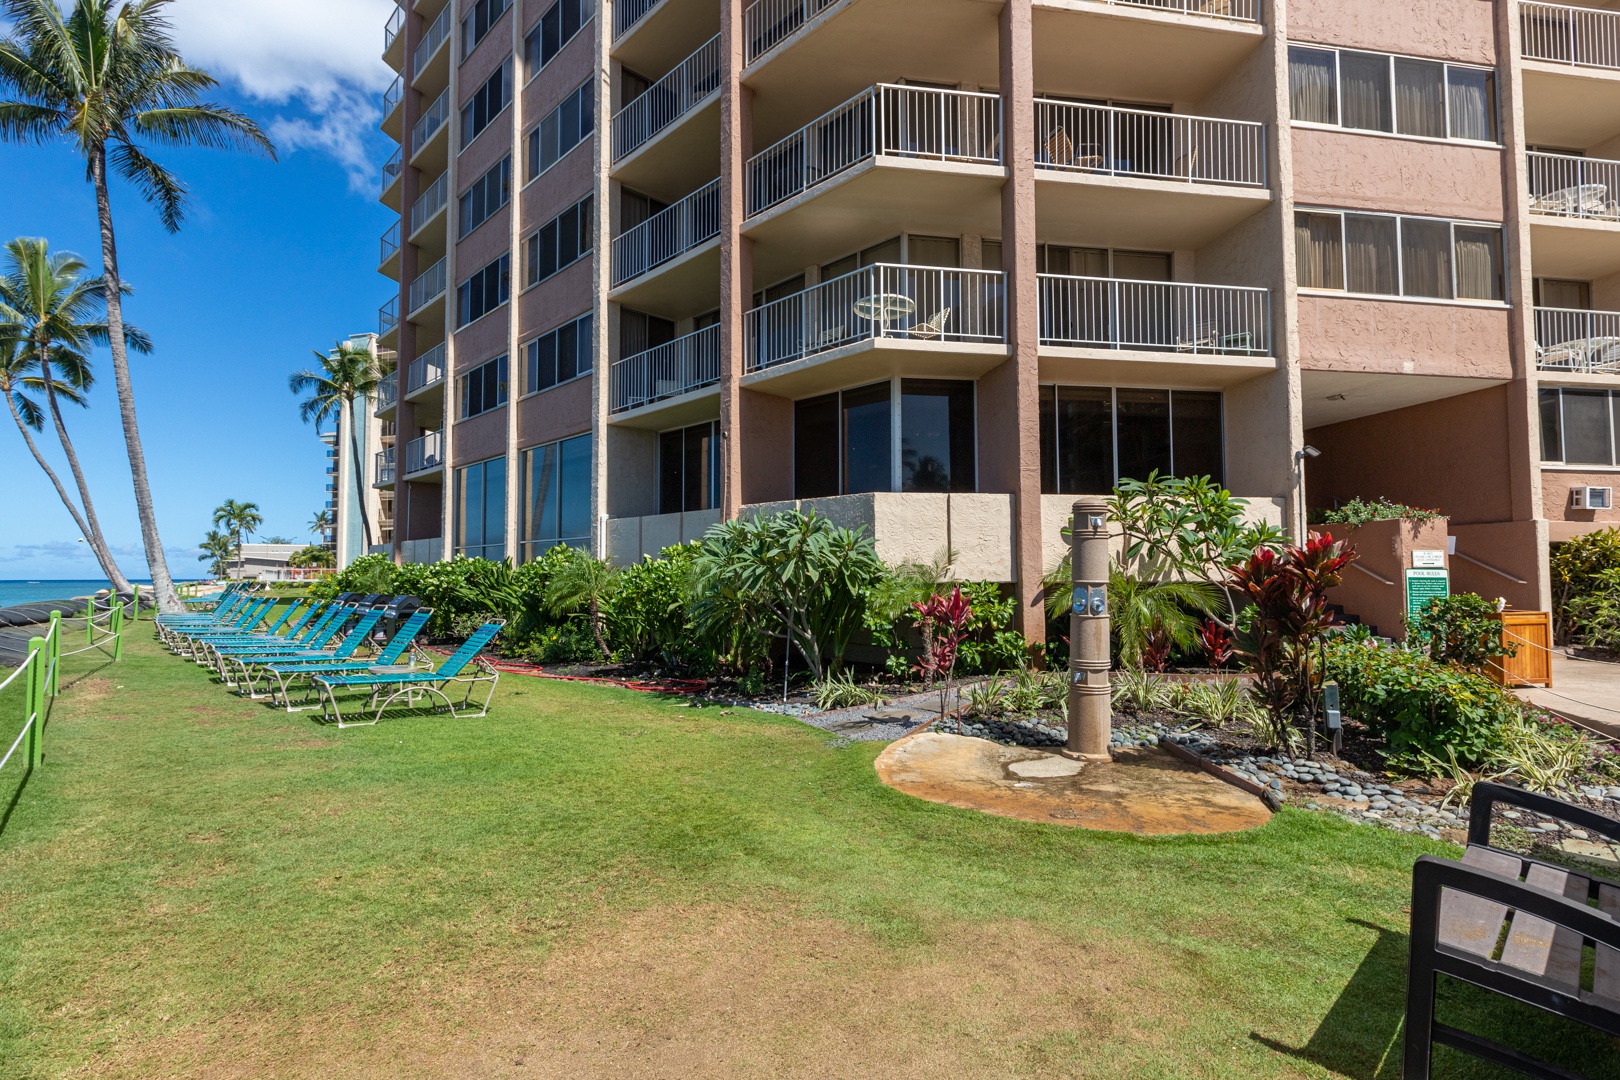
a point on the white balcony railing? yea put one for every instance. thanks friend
(391, 170)
(430, 203)
(1567, 186)
(388, 315)
(428, 286)
(1156, 316)
(626, 13)
(667, 234)
(396, 23)
(683, 365)
(424, 453)
(425, 370)
(1559, 34)
(387, 392)
(667, 100)
(768, 23)
(1236, 10)
(429, 123)
(390, 242)
(1581, 341)
(902, 121)
(436, 36)
(394, 95)
(385, 466)
(881, 302)
(1160, 146)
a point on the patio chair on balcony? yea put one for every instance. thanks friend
(1579, 199)
(1187, 164)
(1600, 354)
(932, 329)
(1058, 149)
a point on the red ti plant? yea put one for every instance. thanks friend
(1288, 589)
(1156, 650)
(1217, 643)
(943, 621)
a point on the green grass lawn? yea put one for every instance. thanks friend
(594, 882)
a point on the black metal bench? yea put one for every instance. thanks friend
(1516, 926)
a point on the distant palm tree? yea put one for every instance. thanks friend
(320, 522)
(348, 372)
(107, 79)
(239, 519)
(216, 547)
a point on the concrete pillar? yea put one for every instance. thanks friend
(736, 269)
(1090, 696)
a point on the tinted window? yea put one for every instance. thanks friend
(556, 28)
(936, 436)
(486, 104)
(815, 447)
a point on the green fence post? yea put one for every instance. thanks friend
(53, 655)
(118, 630)
(89, 626)
(135, 608)
(36, 697)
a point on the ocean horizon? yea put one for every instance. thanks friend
(34, 590)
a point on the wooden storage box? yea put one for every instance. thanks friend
(1531, 631)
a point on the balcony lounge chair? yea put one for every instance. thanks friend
(1599, 354)
(287, 672)
(245, 661)
(388, 686)
(932, 329)
(1575, 201)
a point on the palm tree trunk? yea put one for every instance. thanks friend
(358, 470)
(67, 500)
(92, 528)
(596, 628)
(162, 584)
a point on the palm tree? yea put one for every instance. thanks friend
(584, 581)
(320, 522)
(107, 80)
(349, 371)
(216, 547)
(54, 309)
(239, 519)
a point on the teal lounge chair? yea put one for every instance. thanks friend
(250, 635)
(240, 619)
(315, 637)
(388, 686)
(287, 672)
(246, 659)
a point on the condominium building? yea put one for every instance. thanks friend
(935, 267)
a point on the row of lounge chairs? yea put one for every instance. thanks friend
(334, 654)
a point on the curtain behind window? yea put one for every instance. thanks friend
(1426, 258)
(1312, 89)
(1370, 255)
(1364, 90)
(1420, 98)
(1479, 263)
(1473, 104)
(1319, 251)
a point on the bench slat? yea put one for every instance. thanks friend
(1544, 948)
(1472, 924)
(1606, 974)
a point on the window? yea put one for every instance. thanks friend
(556, 493)
(561, 242)
(483, 388)
(1387, 255)
(488, 194)
(1578, 426)
(555, 29)
(485, 291)
(486, 104)
(1397, 94)
(479, 21)
(844, 443)
(565, 128)
(481, 510)
(1094, 436)
(557, 356)
(689, 468)
(1559, 293)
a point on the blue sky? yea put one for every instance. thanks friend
(276, 258)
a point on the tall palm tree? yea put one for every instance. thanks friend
(216, 550)
(320, 523)
(108, 80)
(349, 371)
(239, 519)
(55, 309)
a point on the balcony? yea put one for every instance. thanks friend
(389, 248)
(1578, 342)
(428, 286)
(384, 468)
(654, 35)
(387, 393)
(432, 44)
(1575, 218)
(391, 32)
(390, 177)
(688, 148)
(628, 13)
(664, 238)
(425, 371)
(1571, 73)
(431, 202)
(428, 153)
(922, 320)
(388, 317)
(424, 455)
(669, 371)
(392, 98)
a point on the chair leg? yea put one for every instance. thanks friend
(1419, 1054)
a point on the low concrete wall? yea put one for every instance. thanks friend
(631, 539)
(1055, 511)
(1384, 548)
(429, 550)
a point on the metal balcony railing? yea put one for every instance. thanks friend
(388, 315)
(391, 170)
(430, 203)
(425, 370)
(1567, 186)
(882, 302)
(429, 123)
(1236, 10)
(683, 365)
(667, 234)
(428, 286)
(1156, 316)
(424, 453)
(394, 95)
(1559, 34)
(899, 121)
(390, 242)
(385, 466)
(626, 13)
(768, 23)
(667, 100)
(436, 36)
(1161, 146)
(1583, 341)
(387, 392)
(396, 23)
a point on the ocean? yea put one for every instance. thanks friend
(27, 592)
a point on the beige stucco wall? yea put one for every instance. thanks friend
(1460, 30)
(1348, 334)
(1355, 170)
(1555, 488)
(1057, 509)
(1384, 548)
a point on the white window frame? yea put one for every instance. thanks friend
(1400, 259)
(1113, 410)
(1338, 95)
(1562, 461)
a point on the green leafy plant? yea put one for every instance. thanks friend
(1460, 629)
(1140, 692)
(584, 581)
(1358, 512)
(1595, 614)
(648, 616)
(986, 698)
(312, 556)
(840, 691)
(1218, 703)
(1577, 567)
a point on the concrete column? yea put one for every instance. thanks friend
(736, 270)
(409, 266)
(607, 315)
(514, 328)
(447, 519)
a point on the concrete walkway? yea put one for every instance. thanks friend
(1584, 691)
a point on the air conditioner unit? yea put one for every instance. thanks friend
(1592, 498)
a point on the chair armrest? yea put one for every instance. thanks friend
(1430, 874)
(1486, 795)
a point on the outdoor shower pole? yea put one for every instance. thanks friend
(1090, 697)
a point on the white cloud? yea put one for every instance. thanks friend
(320, 58)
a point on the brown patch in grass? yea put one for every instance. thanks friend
(721, 992)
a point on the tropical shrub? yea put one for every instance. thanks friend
(1578, 567)
(648, 617)
(943, 621)
(312, 556)
(1460, 630)
(1358, 512)
(1596, 614)
(840, 691)
(584, 581)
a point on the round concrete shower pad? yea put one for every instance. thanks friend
(1144, 791)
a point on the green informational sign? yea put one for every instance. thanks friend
(1423, 586)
